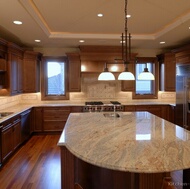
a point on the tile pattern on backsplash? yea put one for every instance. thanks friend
(91, 90)
(101, 91)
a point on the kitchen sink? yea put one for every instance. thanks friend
(112, 114)
(4, 114)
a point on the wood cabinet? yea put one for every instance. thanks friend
(15, 72)
(74, 72)
(10, 136)
(167, 65)
(93, 58)
(130, 84)
(182, 55)
(37, 117)
(54, 118)
(31, 71)
(161, 111)
(3, 63)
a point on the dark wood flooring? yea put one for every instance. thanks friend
(35, 166)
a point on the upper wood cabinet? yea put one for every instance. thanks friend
(31, 71)
(14, 68)
(182, 55)
(74, 72)
(167, 64)
(3, 63)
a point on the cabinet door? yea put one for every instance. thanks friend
(14, 75)
(16, 79)
(16, 128)
(38, 117)
(7, 141)
(129, 85)
(156, 110)
(31, 72)
(19, 75)
(130, 108)
(74, 72)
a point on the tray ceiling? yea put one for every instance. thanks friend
(62, 23)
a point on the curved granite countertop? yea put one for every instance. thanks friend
(136, 141)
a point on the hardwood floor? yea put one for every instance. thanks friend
(35, 166)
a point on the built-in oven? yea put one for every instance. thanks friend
(98, 106)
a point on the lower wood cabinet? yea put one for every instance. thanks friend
(10, 136)
(54, 118)
(162, 111)
(37, 119)
(51, 118)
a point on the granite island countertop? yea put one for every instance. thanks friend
(136, 141)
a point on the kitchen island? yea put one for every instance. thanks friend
(130, 150)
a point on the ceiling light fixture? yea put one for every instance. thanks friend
(146, 75)
(126, 54)
(37, 40)
(17, 22)
(81, 41)
(162, 42)
(106, 75)
(100, 15)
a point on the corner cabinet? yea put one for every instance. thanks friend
(31, 72)
(74, 72)
(15, 72)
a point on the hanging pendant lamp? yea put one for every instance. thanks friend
(126, 56)
(146, 75)
(126, 75)
(106, 75)
(126, 51)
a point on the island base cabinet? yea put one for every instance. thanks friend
(75, 171)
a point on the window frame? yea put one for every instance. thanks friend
(144, 60)
(44, 95)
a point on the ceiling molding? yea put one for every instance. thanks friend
(31, 8)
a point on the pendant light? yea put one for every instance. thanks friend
(106, 75)
(126, 53)
(146, 75)
(126, 56)
(126, 75)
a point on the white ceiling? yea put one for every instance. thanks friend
(62, 23)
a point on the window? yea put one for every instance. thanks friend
(54, 77)
(145, 88)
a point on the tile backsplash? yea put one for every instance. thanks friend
(91, 90)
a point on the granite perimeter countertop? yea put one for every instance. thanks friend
(136, 141)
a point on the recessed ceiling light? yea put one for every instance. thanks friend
(17, 22)
(128, 16)
(162, 42)
(37, 40)
(100, 15)
(81, 41)
(121, 41)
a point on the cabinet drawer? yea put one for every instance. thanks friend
(130, 108)
(54, 125)
(56, 116)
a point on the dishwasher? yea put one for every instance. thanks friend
(25, 125)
